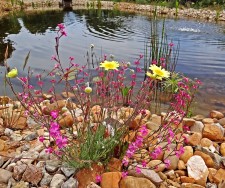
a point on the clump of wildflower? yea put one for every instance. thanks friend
(109, 65)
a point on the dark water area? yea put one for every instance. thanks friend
(201, 54)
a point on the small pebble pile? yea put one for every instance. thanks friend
(24, 162)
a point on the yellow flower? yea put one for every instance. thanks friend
(88, 90)
(152, 76)
(12, 74)
(110, 65)
(159, 72)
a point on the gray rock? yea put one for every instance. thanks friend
(41, 165)
(2, 160)
(197, 127)
(5, 175)
(21, 184)
(52, 165)
(18, 171)
(152, 176)
(16, 137)
(211, 185)
(8, 132)
(39, 148)
(29, 157)
(93, 185)
(46, 179)
(10, 167)
(57, 181)
(44, 155)
(216, 158)
(146, 173)
(31, 136)
(68, 171)
(25, 147)
(70, 183)
(11, 182)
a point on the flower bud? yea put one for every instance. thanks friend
(12, 74)
(88, 90)
(64, 109)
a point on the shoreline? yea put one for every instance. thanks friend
(200, 14)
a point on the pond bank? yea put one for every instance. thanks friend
(202, 14)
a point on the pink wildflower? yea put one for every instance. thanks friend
(167, 163)
(125, 161)
(154, 62)
(54, 114)
(54, 129)
(61, 26)
(54, 58)
(40, 83)
(171, 44)
(71, 58)
(49, 150)
(61, 141)
(41, 138)
(144, 130)
(162, 59)
(98, 179)
(144, 164)
(138, 170)
(124, 174)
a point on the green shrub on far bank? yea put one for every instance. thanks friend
(185, 3)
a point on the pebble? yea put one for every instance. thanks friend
(68, 171)
(5, 175)
(47, 178)
(57, 181)
(70, 183)
(31, 136)
(52, 165)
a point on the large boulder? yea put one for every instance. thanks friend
(213, 132)
(198, 170)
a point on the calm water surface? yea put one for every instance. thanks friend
(202, 44)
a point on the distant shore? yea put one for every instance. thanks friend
(201, 14)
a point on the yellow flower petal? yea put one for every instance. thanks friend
(12, 74)
(159, 72)
(110, 65)
(152, 76)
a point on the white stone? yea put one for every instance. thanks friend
(57, 181)
(197, 169)
(46, 179)
(5, 175)
(70, 183)
(197, 127)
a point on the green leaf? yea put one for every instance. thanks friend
(125, 91)
(26, 60)
(96, 79)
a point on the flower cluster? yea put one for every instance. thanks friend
(100, 107)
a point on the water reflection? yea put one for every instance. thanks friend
(202, 45)
(8, 25)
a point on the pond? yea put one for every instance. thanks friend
(201, 54)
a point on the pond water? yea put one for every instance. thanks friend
(201, 54)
